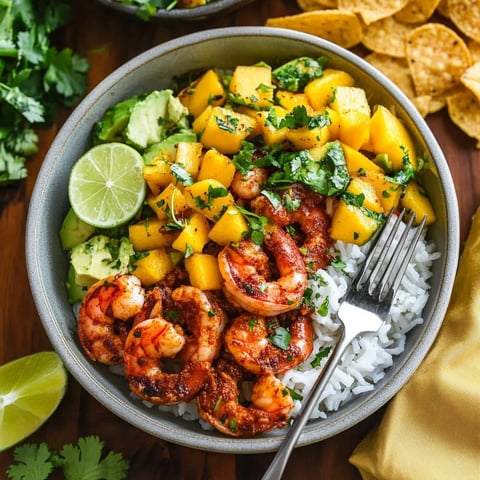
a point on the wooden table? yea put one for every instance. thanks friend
(108, 39)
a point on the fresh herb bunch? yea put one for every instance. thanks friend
(78, 462)
(35, 78)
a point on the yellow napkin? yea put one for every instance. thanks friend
(431, 429)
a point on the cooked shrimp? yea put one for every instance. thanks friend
(192, 347)
(218, 402)
(147, 346)
(310, 214)
(103, 319)
(263, 346)
(204, 318)
(249, 185)
(243, 269)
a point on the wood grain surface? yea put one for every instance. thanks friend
(108, 38)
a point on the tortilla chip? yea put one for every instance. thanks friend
(309, 5)
(417, 11)
(442, 8)
(340, 27)
(372, 10)
(464, 111)
(474, 48)
(386, 36)
(396, 69)
(465, 14)
(423, 104)
(471, 79)
(437, 58)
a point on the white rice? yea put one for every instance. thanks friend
(366, 359)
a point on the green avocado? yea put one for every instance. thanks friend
(74, 231)
(99, 257)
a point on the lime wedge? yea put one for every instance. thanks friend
(31, 388)
(106, 187)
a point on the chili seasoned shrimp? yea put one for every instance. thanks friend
(104, 316)
(248, 186)
(263, 346)
(244, 270)
(308, 211)
(204, 318)
(192, 348)
(147, 346)
(218, 402)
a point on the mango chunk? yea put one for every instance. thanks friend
(223, 129)
(352, 225)
(171, 199)
(203, 271)
(194, 235)
(188, 157)
(353, 110)
(153, 267)
(208, 197)
(252, 85)
(388, 135)
(416, 201)
(231, 227)
(158, 175)
(150, 234)
(268, 125)
(388, 192)
(306, 138)
(358, 163)
(217, 166)
(290, 100)
(207, 90)
(321, 90)
(371, 201)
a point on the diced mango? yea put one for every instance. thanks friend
(415, 200)
(203, 271)
(388, 192)
(389, 135)
(223, 129)
(188, 156)
(158, 175)
(350, 224)
(217, 166)
(353, 110)
(153, 267)
(208, 197)
(252, 85)
(334, 127)
(321, 90)
(150, 234)
(194, 235)
(231, 227)
(207, 90)
(358, 163)
(357, 186)
(306, 138)
(290, 100)
(170, 199)
(268, 125)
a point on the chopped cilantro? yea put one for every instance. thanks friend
(319, 356)
(281, 338)
(295, 74)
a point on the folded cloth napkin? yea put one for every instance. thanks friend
(431, 428)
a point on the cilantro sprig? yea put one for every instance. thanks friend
(35, 78)
(84, 461)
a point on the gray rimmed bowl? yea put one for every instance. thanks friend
(215, 7)
(47, 262)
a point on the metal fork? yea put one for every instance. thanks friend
(364, 308)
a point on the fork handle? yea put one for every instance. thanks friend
(279, 462)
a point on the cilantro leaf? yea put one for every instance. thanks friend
(33, 462)
(84, 462)
(295, 74)
(281, 338)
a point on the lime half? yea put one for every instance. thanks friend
(31, 388)
(106, 187)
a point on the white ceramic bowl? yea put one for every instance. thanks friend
(154, 69)
(216, 7)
